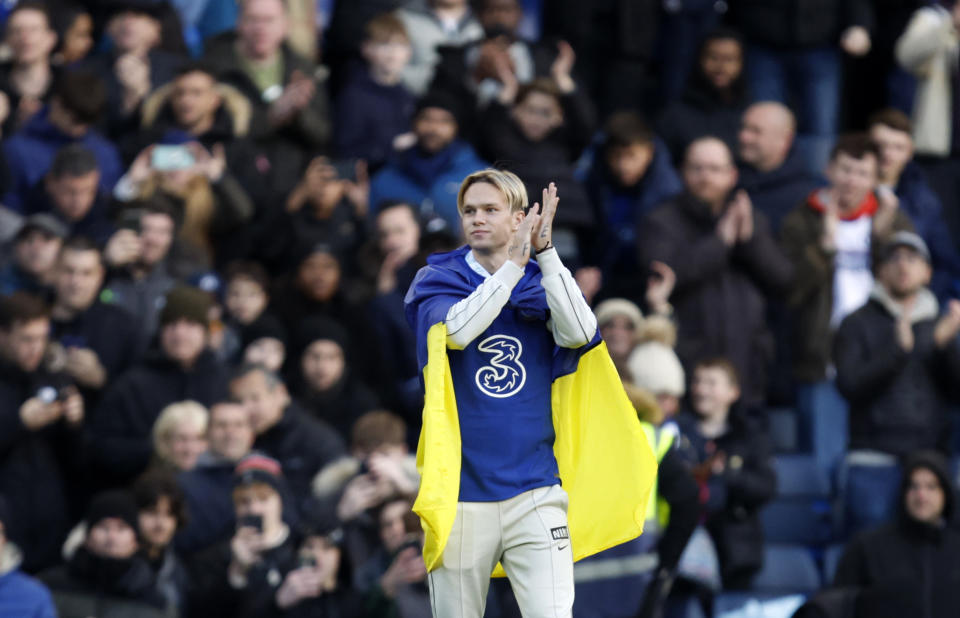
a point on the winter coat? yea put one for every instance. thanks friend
(906, 568)
(142, 298)
(369, 116)
(429, 182)
(923, 207)
(30, 151)
(788, 24)
(341, 405)
(897, 399)
(21, 595)
(96, 224)
(107, 330)
(303, 445)
(775, 193)
(32, 466)
(701, 111)
(810, 296)
(618, 210)
(426, 34)
(720, 296)
(13, 95)
(549, 160)
(207, 492)
(90, 585)
(120, 429)
(928, 49)
(734, 497)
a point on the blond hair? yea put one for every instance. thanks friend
(508, 183)
(173, 416)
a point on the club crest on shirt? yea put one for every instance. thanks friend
(505, 374)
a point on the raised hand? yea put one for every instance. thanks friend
(543, 232)
(518, 251)
(563, 66)
(660, 286)
(948, 325)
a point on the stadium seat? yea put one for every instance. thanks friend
(799, 475)
(831, 558)
(787, 569)
(756, 605)
(801, 520)
(784, 430)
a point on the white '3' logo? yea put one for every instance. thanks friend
(505, 374)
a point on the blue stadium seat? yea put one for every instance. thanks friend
(831, 558)
(787, 569)
(799, 475)
(784, 429)
(756, 605)
(801, 520)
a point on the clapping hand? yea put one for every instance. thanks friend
(543, 231)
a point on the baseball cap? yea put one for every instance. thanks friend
(43, 222)
(259, 469)
(904, 239)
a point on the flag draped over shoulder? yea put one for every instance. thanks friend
(605, 463)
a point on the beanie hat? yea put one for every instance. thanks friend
(440, 100)
(116, 503)
(185, 303)
(256, 468)
(265, 326)
(612, 307)
(319, 327)
(656, 368)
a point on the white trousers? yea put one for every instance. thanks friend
(528, 535)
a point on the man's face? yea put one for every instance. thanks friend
(194, 99)
(134, 31)
(183, 341)
(322, 364)
(502, 15)
(245, 299)
(230, 433)
(398, 232)
(852, 179)
(319, 276)
(722, 62)
(259, 499)
(712, 393)
(629, 164)
(896, 150)
(156, 236)
(157, 523)
(925, 499)
(486, 220)
(264, 403)
(435, 128)
(537, 115)
(73, 196)
(904, 273)
(25, 343)
(36, 252)
(764, 137)
(708, 172)
(620, 335)
(79, 276)
(111, 537)
(30, 37)
(262, 27)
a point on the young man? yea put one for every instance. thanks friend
(494, 332)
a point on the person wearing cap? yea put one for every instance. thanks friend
(910, 565)
(41, 419)
(208, 485)
(898, 362)
(241, 576)
(104, 576)
(182, 368)
(326, 381)
(428, 173)
(35, 249)
(95, 341)
(20, 594)
(301, 443)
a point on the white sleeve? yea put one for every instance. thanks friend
(475, 313)
(571, 320)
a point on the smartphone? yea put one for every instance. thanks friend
(130, 220)
(251, 521)
(308, 560)
(166, 158)
(414, 543)
(73, 341)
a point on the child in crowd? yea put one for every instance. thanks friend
(734, 471)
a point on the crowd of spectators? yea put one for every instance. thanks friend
(211, 211)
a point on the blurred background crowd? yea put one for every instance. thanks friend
(211, 210)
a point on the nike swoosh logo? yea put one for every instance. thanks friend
(561, 547)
